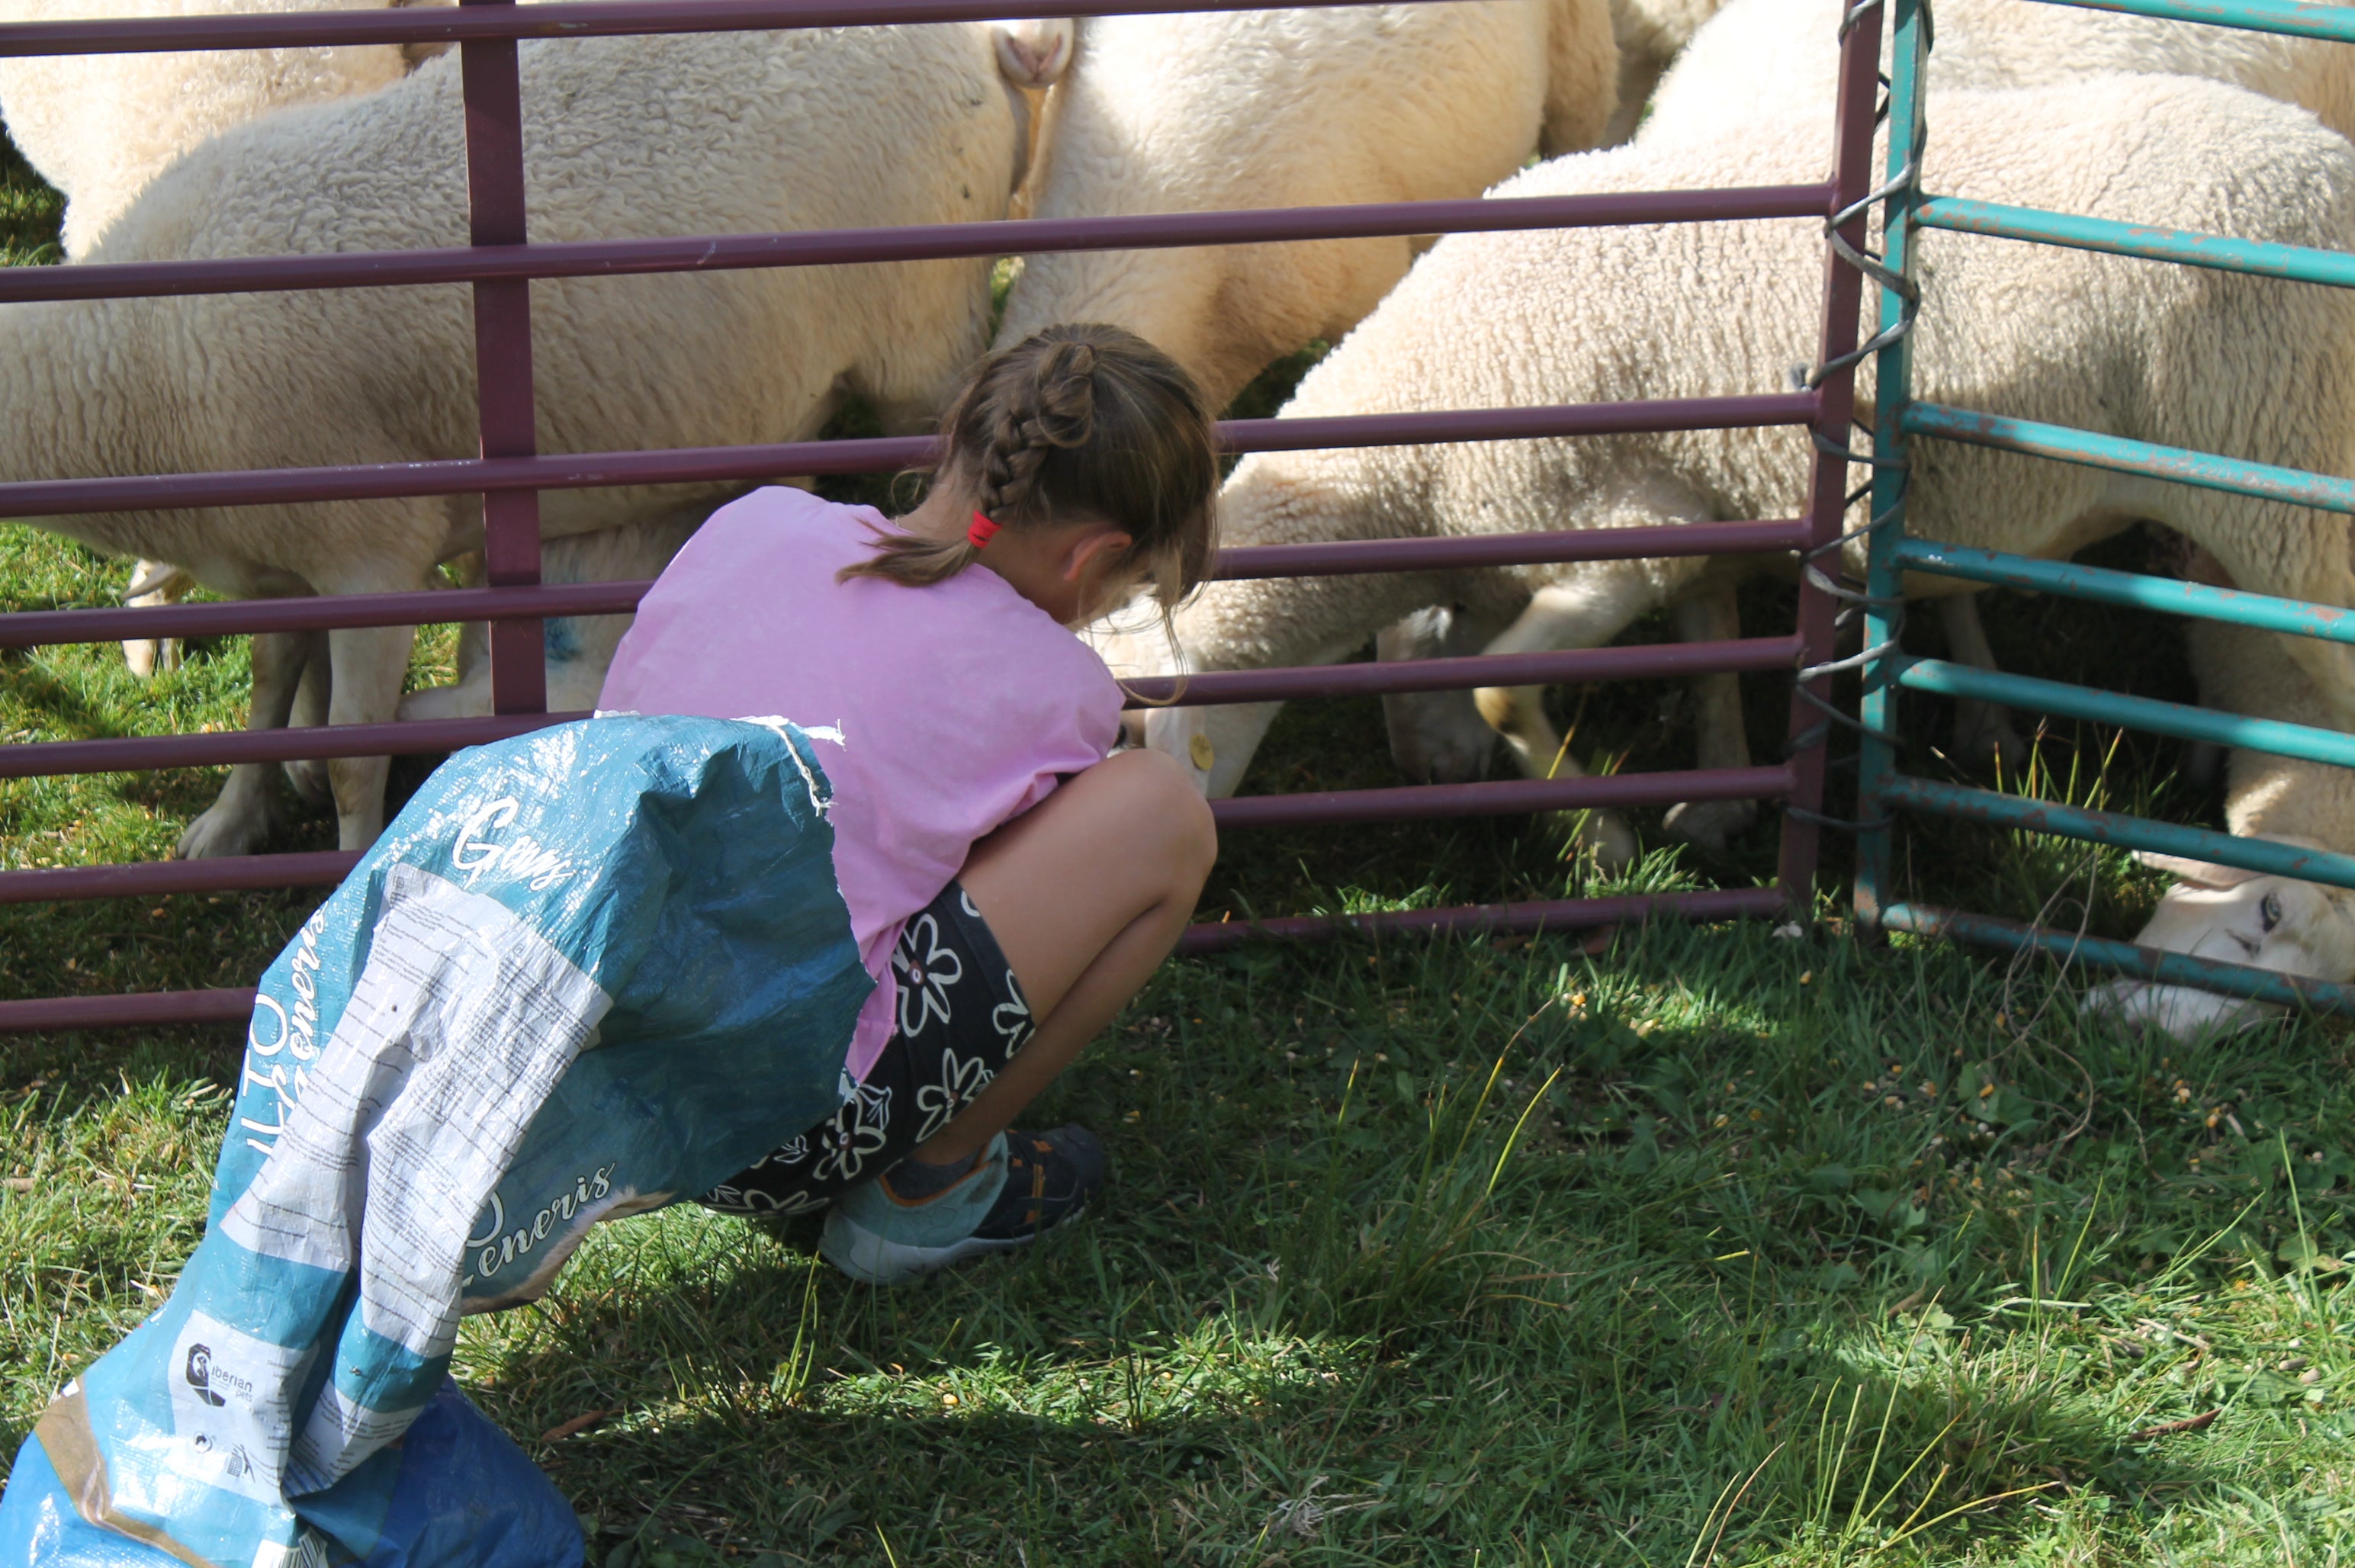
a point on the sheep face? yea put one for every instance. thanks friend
(1214, 745)
(1436, 737)
(2271, 923)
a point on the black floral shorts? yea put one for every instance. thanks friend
(961, 1017)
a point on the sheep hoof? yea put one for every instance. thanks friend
(1710, 824)
(226, 828)
(150, 657)
(309, 777)
(1990, 743)
(1603, 836)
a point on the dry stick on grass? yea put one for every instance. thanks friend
(580, 1422)
(2199, 1422)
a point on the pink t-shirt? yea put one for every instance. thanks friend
(959, 706)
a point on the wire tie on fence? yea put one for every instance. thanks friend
(1839, 824)
(1831, 448)
(1840, 716)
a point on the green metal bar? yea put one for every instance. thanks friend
(2262, 480)
(1892, 392)
(2123, 957)
(2295, 17)
(1949, 679)
(2298, 264)
(2132, 588)
(2261, 855)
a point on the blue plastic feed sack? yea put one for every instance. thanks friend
(584, 972)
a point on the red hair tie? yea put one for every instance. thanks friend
(980, 533)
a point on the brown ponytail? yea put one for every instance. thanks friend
(1081, 420)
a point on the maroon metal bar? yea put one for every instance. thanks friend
(137, 1009)
(1489, 551)
(1506, 797)
(503, 373)
(1503, 797)
(1860, 82)
(33, 759)
(911, 242)
(36, 628)
(160, 879)
(1571, 667)
(601, 19)
(450, 476)
(1550, 914)
(149, 1008)
(414, 737)
(156, 878)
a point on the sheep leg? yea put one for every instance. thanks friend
(1984, 733)
(239, 818)
(153, 582)
(1591, 609)
(1720, 741)
(367, 663)
(1437, 737)
(309, 775)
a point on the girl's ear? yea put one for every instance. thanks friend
(1099, 549)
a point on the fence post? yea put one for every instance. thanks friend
(1892, 389)
(503, 378)
(1811, 722)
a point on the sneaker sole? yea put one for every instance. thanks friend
(871, 1259)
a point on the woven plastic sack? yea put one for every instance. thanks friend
(584, 972)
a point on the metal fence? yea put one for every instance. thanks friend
(1898, 419)
(500, 263)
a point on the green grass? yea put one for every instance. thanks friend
(1704, 1246)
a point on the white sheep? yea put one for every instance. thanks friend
(99, 127)
(624, 137)
(2159, 353)
(1252, 108)
(2282, 924)
(1758, 57)
(1651, 34)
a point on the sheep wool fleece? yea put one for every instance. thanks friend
(948, 710)
(584, 972)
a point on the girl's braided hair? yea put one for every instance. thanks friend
(1074, 422)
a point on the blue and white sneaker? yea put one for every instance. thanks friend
(1024, 1183)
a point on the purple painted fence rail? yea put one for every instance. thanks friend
(509, 474)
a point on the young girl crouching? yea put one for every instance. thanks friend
(1010, 884)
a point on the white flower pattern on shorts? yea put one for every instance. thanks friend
(927, 968)
(859, 1129)
(1011, 1017)
(960, 1018)
(961, 1078)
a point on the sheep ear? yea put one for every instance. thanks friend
(2198, 873)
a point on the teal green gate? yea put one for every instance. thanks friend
(1888, 669)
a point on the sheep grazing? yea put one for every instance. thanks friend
(1701, 310)
(700, 134)
(1753, 60)
(1240, 109)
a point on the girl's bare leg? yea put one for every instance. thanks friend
(1086, 894)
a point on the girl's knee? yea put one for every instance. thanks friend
(1170, 815)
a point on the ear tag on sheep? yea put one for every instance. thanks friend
(1202, 751)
